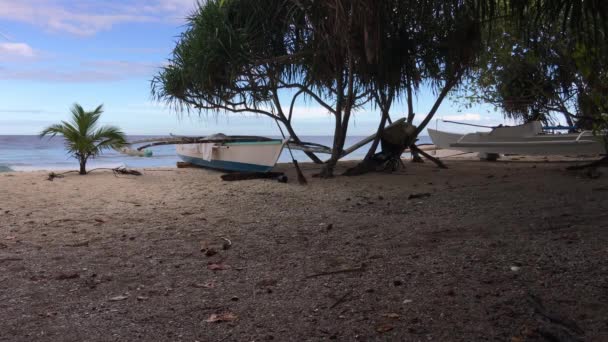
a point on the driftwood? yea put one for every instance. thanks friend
(439, 163)
(117, 171)
(124, 171)
(237, 176)
(559, 328)
(347, 270)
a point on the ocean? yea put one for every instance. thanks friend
(31, 153)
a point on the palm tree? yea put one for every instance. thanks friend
(83, 138)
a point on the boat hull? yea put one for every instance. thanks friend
(258, 156)
(540, 144)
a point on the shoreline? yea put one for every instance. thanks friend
(444, 155)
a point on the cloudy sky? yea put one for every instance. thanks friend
(57, 52)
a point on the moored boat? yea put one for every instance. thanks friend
(526, 139)
(241, 155)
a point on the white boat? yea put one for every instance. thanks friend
(224, 153)
(526, 139)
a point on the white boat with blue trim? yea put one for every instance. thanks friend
(240, 154)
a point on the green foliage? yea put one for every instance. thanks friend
(84, 138)
(544, 67)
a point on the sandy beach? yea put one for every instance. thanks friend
(513, 251)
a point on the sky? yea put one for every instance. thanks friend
(54, 53)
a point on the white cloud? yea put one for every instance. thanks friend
(87, 17)
(10, 51)
(91, 71)
(463, 117)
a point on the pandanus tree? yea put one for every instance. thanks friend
(234, 57)
(84, 138)
(240, 56)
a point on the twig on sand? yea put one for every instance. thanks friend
(10, 259)
(68, 220)
(563, 322)
(347, 270)
(341, 299)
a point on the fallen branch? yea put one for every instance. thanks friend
(10, 259)
(124, 171)
(348, 270)
(438, 162)
(341, 299)
(555, 319)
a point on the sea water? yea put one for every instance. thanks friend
(31, 153)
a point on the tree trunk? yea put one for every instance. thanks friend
(338, 146)
(83, 166)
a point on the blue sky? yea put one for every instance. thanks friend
(57, 52)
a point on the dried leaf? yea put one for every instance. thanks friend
(384, 328)
(218, 267)
(221, 317)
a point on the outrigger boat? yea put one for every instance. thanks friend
(526, 139)
(242, 154)
(229, 153)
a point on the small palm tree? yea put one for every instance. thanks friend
(83, 138)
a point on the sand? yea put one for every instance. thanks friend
(514, 250)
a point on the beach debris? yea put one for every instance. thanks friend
(267, 282)
(346, 270)
(98, 220)
(124, 171)
(383, 328)
(217, 267)
(118, 298)
(184, 165)
(66, 276)
(54, 175)
(221, 317)
(419, 195)
(515, 268)
(407, 301)
(10, 259)
(208, 285)
(342, 299)
(392, 315)
(208, 249)
(142, 298)
(227, 243)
